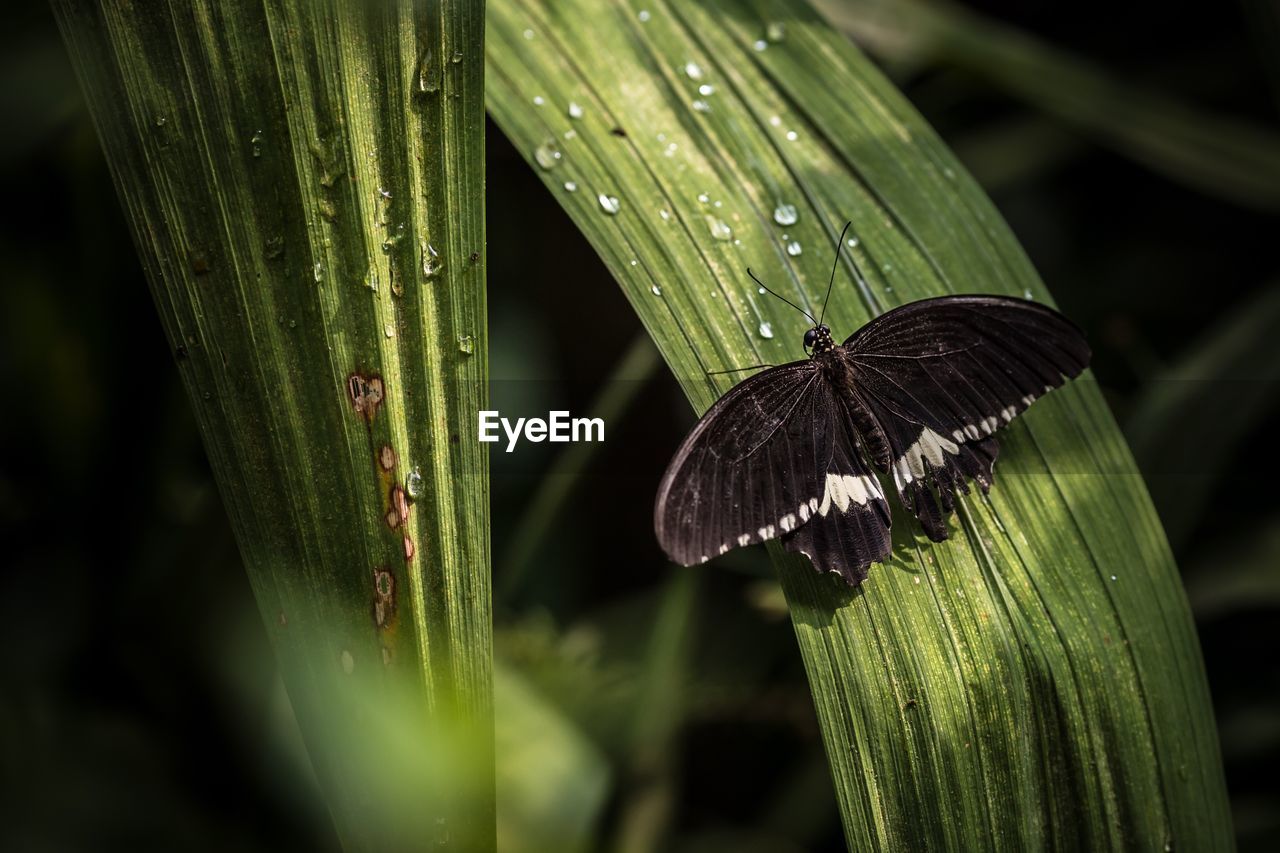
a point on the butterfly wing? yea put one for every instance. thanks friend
(770, 458)
(847, 528)
(932, 381)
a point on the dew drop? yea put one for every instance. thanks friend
(547, 155)
(428, 76)
(371, 278)
(643, 16)
(456, 58)
(655, 290)
(1027, 294)
(793, 248)
(255, 144)
(317, 272)
(766, 330)
(851, 242)
(570, 186)
(665, 214)
(694, 70)
(575, 110)
(413, 484)
(776, 31)
(775, 121)
(706, 89)
(720, 229)
(389, 330)
(760, 45)
(538, 100)
(785, 214)
(609, 204)
(274, 247)
(704, 198)
(791, 136)
(528, 35)
(466, 344)
(701, 106)
(431, 262)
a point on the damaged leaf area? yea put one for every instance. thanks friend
(279, 167)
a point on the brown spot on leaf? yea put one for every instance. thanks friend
(384, 597)
(408, 549)
(400, 504)
(393, 519)
(387, 457)
(365, 393)
(619, 132)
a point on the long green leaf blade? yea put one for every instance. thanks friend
(1036, 680)
(305, 185)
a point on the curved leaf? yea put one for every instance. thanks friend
(1034, 680)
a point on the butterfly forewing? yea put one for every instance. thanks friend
(940, 376)
(755, 456)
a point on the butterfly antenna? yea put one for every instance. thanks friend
(835, 265)
(783, 298)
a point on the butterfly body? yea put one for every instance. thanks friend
(794, 452)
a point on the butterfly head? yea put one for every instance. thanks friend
(819, 340)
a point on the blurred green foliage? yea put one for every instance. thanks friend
(139, 705)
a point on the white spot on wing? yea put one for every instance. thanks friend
(1029, 399)
(744, 539)
(844, 489)
(724, 549)
(931, 446)
(788, 523)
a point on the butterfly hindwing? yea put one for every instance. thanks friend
(848, 525)
(939, 377)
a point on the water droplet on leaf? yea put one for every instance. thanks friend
(785, 214)
(466, 344)
(575, 110)
(609, 204)
(693, 70)
(794, 248)
(720, 229)
(547, 155)
(766, 330)
(413, 484)
(431, 262)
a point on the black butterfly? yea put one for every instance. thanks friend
(918, 392)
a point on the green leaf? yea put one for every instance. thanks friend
(552, 780)
(305, 186)
(1179, 434)
(1035, 677)
(1216, 154)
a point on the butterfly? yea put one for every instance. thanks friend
(916, 395)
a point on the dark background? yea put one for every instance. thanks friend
(138, 701)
